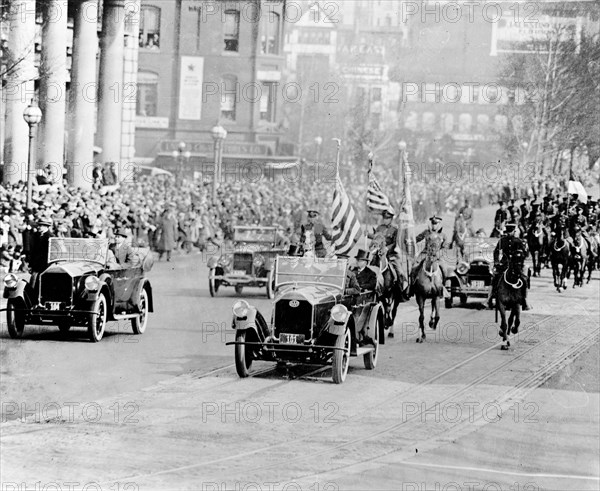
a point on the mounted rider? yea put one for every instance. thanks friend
(312, 234)
(435, 242)
(390, 233)
(509, 245)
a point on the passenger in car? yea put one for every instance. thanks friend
(122, 252)
(367, 278)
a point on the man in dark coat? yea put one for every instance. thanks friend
(122, 251)
(367, 279)
(38, 255)
(390, 232)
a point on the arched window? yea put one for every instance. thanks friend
(229, 88)
(147, 94)
(269, 35)
(231, 30)
(149, 37)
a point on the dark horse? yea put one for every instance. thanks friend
(579, 259)
(559, 258)
(461, 232)
(536, 243)
(428, 284)
(391, 290)
(510, 297)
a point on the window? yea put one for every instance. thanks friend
(465, 122)
(447, 122)
(428, 121)
(228, 97)
(147, 94)
(232, 30)
(483, 123)
(149, 28)
(269, 38)
(267, 102)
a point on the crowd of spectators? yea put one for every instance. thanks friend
(169, 215)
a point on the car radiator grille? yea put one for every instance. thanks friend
(480, 273)
(242, 262)
(56, 287)
(293, 320)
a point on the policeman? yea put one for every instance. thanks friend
(390, 232)
(508, 245)
(366, 277)
(315, 227)
(435, 241)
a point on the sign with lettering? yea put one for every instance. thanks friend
(207, 148)
(190, 87)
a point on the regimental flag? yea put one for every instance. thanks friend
(346, 229)
(406, 235)
(376, 199)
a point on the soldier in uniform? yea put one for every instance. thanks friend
(390, 232)
(508, 245)
(122, 251)
(318, 231)
(435, 241)
(525, 211)
(467, 213)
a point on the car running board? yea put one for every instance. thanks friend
(363, 350)
(119, 317)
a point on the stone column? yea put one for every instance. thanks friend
(53, 86)
(83, 94)
(19, 90)
(110, 84)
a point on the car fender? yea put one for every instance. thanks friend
(143, 283)
(376, 316)
(339, 328)
(253, 321)
(106, 288)
(19, 292)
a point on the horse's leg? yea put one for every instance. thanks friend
(503, 329)
(435, 312)
(555, 276)
(421, 303)
(517, 319)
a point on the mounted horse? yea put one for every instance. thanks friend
(579, 258)
(509, 296)
(537, 247)
(593, 256)
(390, 288)
(560, 255)
(461, 232)
(429, 282)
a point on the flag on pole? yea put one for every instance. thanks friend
(575, 187)
(346, 229)
(376, 199)
(406, 235)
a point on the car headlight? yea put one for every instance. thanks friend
(339, 313)
(462, 268)
(92, 283)
(10, 281)
(258, 261)
(240, 308)
(212, 262)
(224, 260)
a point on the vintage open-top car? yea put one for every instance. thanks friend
(250, 263)
(473, 276)
(83, 285)
(315, 319)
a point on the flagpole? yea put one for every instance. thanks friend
(367, 214)
(337, 157)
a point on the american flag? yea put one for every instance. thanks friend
(376, 198)
(344, 223)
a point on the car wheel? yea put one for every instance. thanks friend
(239, 289)
(271, 285)
(138, 324)
(448, 302)
(213, 284)
(14, 318)
(243, 355)
(341, 357)
(370, 358)
(97, 320)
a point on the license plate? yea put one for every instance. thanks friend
(478, 284)
(54, 305)
(238, 272)
(291, 338)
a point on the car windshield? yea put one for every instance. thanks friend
(70, 249)
(291, 270)
(480, 247)
(255, 234)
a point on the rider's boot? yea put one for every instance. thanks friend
(524, 304)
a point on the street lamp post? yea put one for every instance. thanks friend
(180, 155)
(525, 145)
(402, 149)
(219, 134)
(32, 116)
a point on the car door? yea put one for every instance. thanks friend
(122, 285)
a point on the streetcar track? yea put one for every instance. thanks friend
(412, 388)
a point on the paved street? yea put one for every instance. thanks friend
(166, 410)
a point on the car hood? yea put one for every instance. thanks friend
(74, 269)
(315, 294)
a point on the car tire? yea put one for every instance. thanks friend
(138, 324)
(370, 358)
(243, 356)
(15, 320)
(97, 320)
(341, 357)
(271, 285)
(213, 284)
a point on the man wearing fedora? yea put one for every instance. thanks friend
(435, 240)
(508, 245)
(390, 232)
(315, 227)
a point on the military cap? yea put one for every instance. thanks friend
(435, 219)
(388, 214)
(510, 226)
